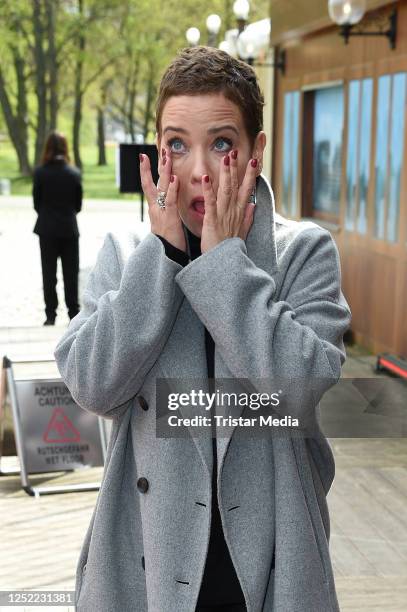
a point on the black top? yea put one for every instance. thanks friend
(57, 194)
(220, 584)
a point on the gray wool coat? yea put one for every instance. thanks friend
(274, 307)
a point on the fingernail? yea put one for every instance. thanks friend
(254, 163)
(206, 178)
(141, 157)
(226, 160)
(164, 161)
(234, 154)
(163, 152)
(172, 179)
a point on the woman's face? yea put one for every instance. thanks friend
(199, 131)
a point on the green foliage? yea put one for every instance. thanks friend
(98, 181)
(128, 45)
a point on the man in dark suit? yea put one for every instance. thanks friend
(57, 194)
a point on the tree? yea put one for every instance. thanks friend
(14, 75)
(70, 57)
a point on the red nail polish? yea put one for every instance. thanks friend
(254, 163)
(234, 154)
(141, 157)
(226, 160)
(172, 179)
(206, 178)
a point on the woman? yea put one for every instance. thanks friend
(222, 288)
(57, 193)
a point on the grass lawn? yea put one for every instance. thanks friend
(99, 182)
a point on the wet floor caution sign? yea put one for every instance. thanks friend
(52, 433)
(61, 429)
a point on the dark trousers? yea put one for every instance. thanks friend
(68, 249)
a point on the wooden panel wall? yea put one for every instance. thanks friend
(374, 273)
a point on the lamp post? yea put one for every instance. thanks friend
(254, 41)
(213, 24)
(193, 35)
(241, 9)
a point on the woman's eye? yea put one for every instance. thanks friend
(176, 145)
(223, 144)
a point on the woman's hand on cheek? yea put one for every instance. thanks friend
(165, 222)
(228, 214)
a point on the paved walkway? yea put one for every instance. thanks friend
(21, 297)
(41, 538)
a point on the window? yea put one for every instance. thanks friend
(290, 153)
(391, 102)
(322, 152)
(358, 154)
(327, 150)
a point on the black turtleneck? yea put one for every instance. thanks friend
(220, 584)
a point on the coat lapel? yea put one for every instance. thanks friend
(262, 250)
(187, 339)
(184, 360)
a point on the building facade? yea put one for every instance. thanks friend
(339, 153)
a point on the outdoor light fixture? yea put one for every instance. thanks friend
(229, 44)
(226, 47)
(193, 35)
(348, 13)
(254, 40)
(213, 24)
(253, 44)
(241, 9)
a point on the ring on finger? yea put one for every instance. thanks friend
(161, 198)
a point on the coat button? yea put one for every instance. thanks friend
(142, 485)
(143, 563)
(143, 402)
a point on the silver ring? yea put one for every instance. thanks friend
(161, 199)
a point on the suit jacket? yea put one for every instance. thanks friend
(274, 307)
(57, 194)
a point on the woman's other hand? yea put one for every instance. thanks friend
(165, 222)
(229, 213)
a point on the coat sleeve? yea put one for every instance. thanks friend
(296, 341)
(36, 190)
(79, 193)
(127, 314)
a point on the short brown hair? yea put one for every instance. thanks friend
(203, 70)
(56, 145)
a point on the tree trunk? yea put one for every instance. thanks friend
(78, 93)
(22, 114)
(149, 100)
(17, 131)
(17, 119)
(40, 79)
(101, 137)
(51, 8)
(227, 16)
(132, 99)
(101, 126)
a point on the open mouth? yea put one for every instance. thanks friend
(198, 205)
